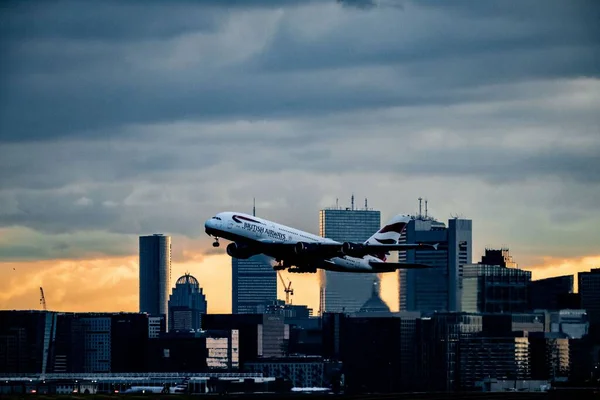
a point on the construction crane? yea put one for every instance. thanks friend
(43, 299)
(287, 289)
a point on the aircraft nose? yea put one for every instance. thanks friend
(209, 224)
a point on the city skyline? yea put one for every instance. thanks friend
(119, 120)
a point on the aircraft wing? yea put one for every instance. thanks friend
(387, 266)
(332, 249)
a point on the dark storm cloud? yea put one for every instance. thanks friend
(497, 166)
(114, 21)
(100, 87)
(126, 118)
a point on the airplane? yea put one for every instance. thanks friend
(302, 252)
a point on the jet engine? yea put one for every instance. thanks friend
(240, 251)
(304, 248)
(351, 249)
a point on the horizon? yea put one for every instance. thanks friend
(120, 118)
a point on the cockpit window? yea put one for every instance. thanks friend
(216, 218)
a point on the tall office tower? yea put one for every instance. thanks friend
(155, 275)
(187, 303)
(589, 290)
(342, 291)
(254, 283)
(436, 288)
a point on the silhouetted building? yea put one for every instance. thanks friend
(50, 342)
(409, 355)
(499, 257)
(549, 356)
(186, 305)
(305, 340)
(493, 357)
(254, 282)
(550, 293)
(104, 342)
(436, 288)
(371, 354)
(583, 360)
(303, 372)
(129, 342)
(178, 352)
(589, 290)
(341, 291)
(437, 367)
(378, 353)
(493, 288)
(260, 335)
(155, 274)
(570, 301)
(332, 325)
(26, 340)
(375, 304)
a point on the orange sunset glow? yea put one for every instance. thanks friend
(111, 284)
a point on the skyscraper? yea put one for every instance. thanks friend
(436, 288)
(589, 289)
(342, 291)
(155, 274)
(254, 283)
(187, 303)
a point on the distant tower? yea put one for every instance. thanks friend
(187, 303)
(342, 291)
(253, 283)
(155, 274)
(436, 288)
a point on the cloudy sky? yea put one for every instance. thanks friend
(126, 118)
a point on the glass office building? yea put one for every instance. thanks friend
(494, 289)
(186, 305)
(343, 291)
(436, 288)
(155, 274)
(254, 283)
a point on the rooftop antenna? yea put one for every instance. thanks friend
(420, 199)
(337, 203)
(352, 201)
(366, 207)
(254, 206)
(425, 208)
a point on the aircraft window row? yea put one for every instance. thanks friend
(216, 218)
(296, 233)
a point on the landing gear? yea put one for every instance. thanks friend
(297, 270)
(281, 265)
(216, 242)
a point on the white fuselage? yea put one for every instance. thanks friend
(248, 229)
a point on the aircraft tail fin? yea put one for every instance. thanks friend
(390, 233)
